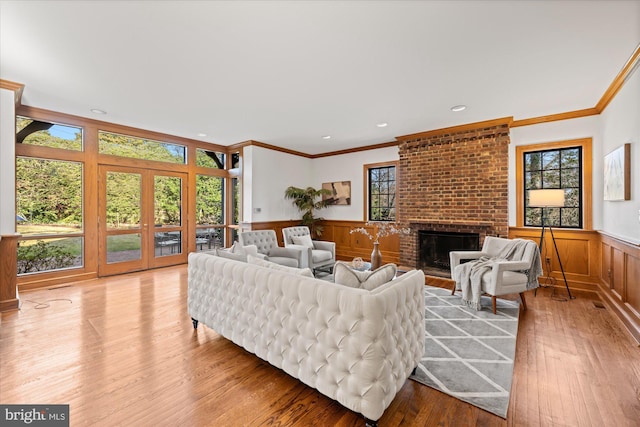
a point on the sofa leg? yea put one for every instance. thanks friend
(493, 303)
(370, 423)
(414, 370)
(453, 290)
(195, 323)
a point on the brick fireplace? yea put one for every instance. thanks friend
(453, 180)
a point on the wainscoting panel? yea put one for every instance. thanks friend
(620, 282)
(349, 246)
(579, 251)
(632, 281)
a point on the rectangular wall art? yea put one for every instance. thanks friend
(340, 192)
(617, 174)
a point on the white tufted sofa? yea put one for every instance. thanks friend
(355, 346)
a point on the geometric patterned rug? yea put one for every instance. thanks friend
(469, 354)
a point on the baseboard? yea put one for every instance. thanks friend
(630, 321)
(9, 305)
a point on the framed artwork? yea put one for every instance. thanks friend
(617, 174)
(340, 193)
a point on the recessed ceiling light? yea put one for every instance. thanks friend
(458, 108)
(382, 125)
(97, 111)
(326, 137)
(202, 134)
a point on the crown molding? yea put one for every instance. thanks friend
(456, 129)
(617, 83)
(555, 117)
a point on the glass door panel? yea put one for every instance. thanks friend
(169, 207)
(121, 228)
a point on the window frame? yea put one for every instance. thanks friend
(586, 178)
(366, 191)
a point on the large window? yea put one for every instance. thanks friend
(210, 159)
(555, 166)
(49, 214)
(381, 191)
(140, 148)
(48, 134)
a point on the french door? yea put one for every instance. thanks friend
(142, 219)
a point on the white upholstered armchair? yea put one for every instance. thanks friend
(513, 276)
(267, 244)
(319, 253)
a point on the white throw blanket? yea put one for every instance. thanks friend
(468, 276)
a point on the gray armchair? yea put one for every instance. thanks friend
(319, 253)
(267, 244)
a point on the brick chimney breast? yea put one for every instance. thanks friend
(454, 181)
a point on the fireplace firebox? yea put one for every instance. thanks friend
(434, 248)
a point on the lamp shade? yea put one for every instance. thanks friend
(546, 198)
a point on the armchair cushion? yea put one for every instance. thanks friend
(267, 244)
(303, 240)
(268, 264)
(369, 280)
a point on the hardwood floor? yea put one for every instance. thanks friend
(122, 351)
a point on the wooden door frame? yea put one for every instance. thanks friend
(147, 229)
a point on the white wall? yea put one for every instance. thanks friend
(7, 162)
(266, 175)
(348, 167)
(585, 127)
(621, 125)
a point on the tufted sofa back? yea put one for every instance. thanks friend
(355, 346)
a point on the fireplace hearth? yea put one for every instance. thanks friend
(434, 248)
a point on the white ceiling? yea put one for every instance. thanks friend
(286, 73)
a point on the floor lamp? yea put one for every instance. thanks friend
(549, 198)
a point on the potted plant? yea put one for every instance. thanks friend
(305, 200)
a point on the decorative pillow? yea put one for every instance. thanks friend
(225, 253)
(268, 264)
(369, 280)
(237, 248)
(303, 240)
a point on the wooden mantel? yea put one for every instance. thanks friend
(466, 222)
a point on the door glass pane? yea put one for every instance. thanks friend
(123, 200)
(124, 247)
(167, 200)
(168, 243)
(209, 238)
